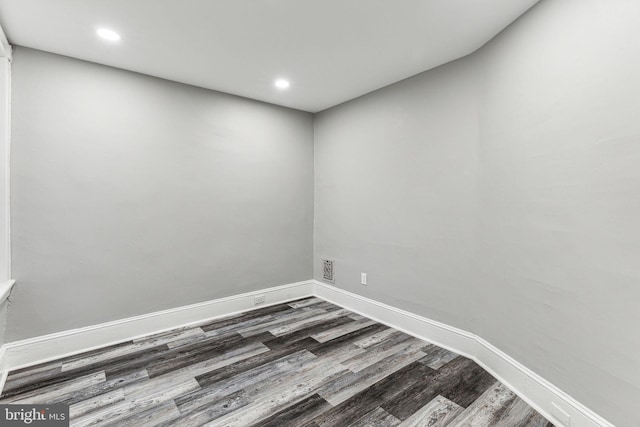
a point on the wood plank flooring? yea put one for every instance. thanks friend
(305, 363)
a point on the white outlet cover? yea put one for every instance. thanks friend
(560, 415)
(363, 278)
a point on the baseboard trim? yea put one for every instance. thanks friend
(18, 354)
(532, 388)
(535, 390)
(5, 289)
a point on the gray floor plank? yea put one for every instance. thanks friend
(436, 357)
(259, 323)
(214, 362)
(356, 316)
(243, 380)
(283, 320)
(128, 408)
(57, 391)
(379, 393)
(211, 410)
(437, 413)
(133, 347)
(306, 302)
(344, 388)
(279, 309)
(33, 374)
(303, 323)
(460, 381)
(164, 414)
(481, 413)
(306, 363)
(342, 330)
(300, 413)
(308, 332)
(376, 338)
(381, 351)
(518, 414)
(100, 401)
(279, 398)
(377, 418)
(102, 388)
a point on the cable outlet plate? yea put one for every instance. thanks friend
(327, 270)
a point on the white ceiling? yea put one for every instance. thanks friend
(330, 50)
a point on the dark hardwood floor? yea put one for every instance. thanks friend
(305, 363)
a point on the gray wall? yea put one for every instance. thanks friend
(500, 194)
(3, 320)
(396, 193)
(560, 199)
(132, 194)
(5, 132)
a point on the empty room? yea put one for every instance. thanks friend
(252, 213)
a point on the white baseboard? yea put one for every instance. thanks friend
(535, 390)
(41, 349)
(547, 399)
(5, 289)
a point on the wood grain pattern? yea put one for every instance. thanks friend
(91, 404)
(354, 382)
(297, 414)
(436, 357)
(304, 363)
(379, 418)
(437, 413)
(57, 391)
(341, 330)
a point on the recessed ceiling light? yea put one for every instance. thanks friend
(282, 84)
(108, 34)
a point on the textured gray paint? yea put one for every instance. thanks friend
(132, 194)
(3, 320)
(5, 87)
(560, 199)
(395, 193)
(500, 194)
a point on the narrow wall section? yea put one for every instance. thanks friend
(5, 150)
(5, 139)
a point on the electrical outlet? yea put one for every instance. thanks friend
(258, 299)
(363, 279)
(327, 270)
